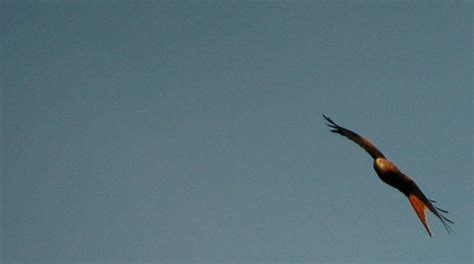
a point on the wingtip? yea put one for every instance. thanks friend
(329, 121)
(326, 118)
(439, 212)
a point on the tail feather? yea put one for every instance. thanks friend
(420, 203)
(420, 209)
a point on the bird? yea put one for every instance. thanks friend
(390, 174)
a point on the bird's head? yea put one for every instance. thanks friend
(383, 165)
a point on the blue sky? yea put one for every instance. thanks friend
(165, 132)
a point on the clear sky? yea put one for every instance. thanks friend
(193, 132)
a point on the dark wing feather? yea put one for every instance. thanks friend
(361, 141)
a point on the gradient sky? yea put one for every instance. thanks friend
(193, 132)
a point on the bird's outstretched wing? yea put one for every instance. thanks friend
(420, 203)
(361, 141)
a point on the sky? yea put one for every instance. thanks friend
(192, 132)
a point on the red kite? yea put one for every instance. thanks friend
(391, 175)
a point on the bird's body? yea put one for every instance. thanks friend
(389, 173)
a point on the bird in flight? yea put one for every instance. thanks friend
(391, 175)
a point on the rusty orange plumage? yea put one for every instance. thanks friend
(389, 173)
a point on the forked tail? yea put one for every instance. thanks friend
(420, 209)
(420, 203)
